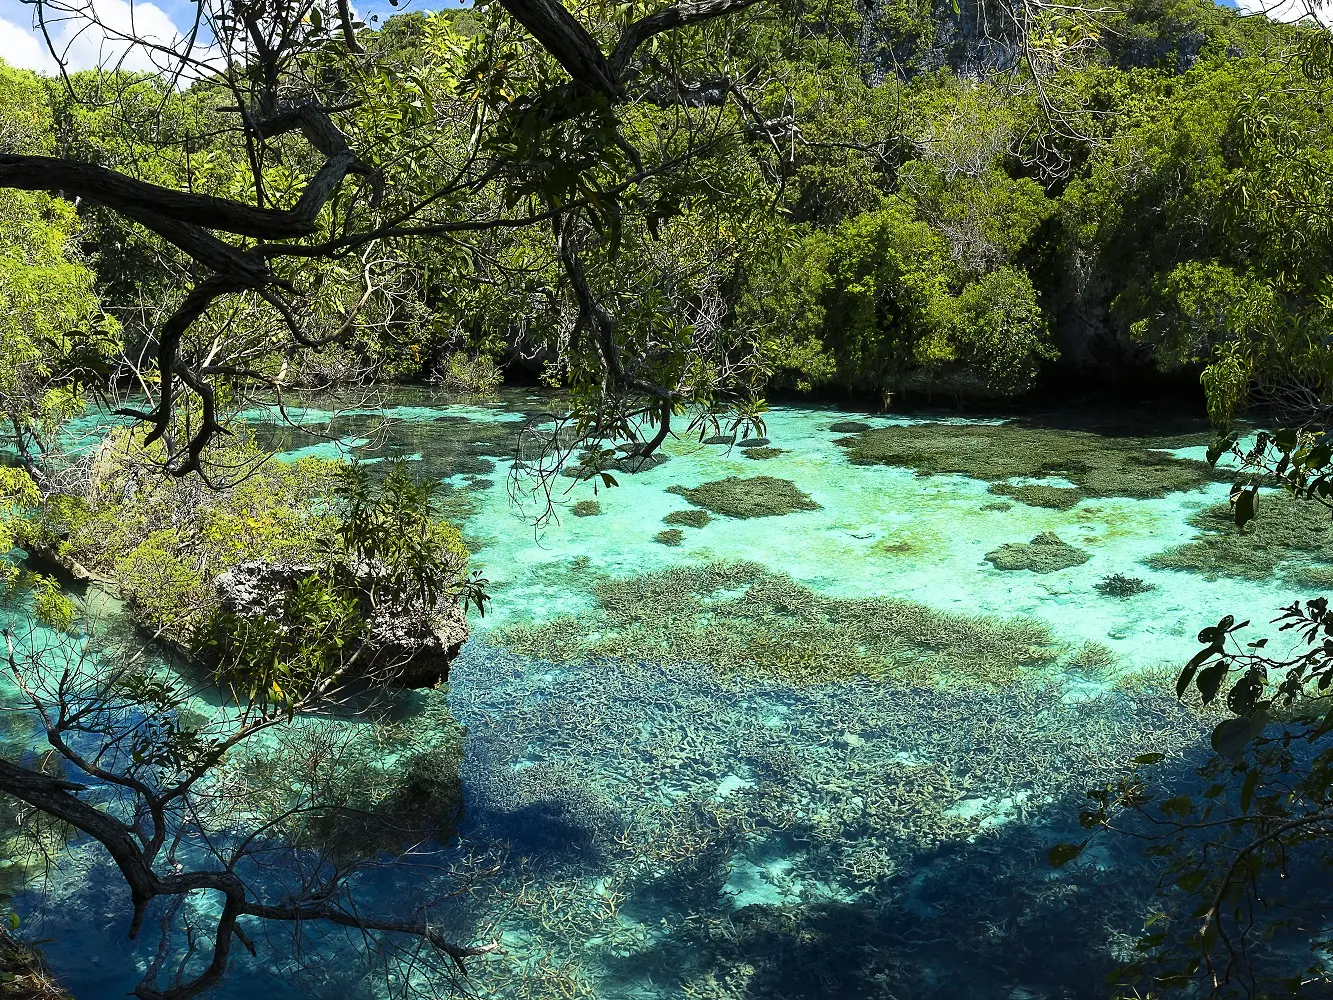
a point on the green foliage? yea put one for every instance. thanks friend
(464, 374)
(759, 496)
(1100, 466)
(739, 618)
(1046, 553)
(51, 606)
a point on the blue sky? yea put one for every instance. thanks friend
(20, 45)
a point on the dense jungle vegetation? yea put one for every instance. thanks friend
(664, 215)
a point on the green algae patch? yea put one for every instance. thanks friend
(1286, 531)
(742, 619)
(758, 496)
(671, 536)
(586, 508)
(1047, 553)
(1097, 465)
(694, 518)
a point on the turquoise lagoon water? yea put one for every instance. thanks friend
(642, 828)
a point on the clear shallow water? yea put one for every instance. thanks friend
(671, 831)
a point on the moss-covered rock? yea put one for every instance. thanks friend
(1044, 554)
(759, 496)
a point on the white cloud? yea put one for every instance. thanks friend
(87, 34)
(20, 47)
(1290, 10)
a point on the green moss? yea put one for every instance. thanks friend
(739, 618)
(764, 453)
(1286, 530)
(1119, 585)
(671, 536)
(759, 496)
(1040, 495)
(691, 518)
(1044, 554)
(1100, 466)
(587, 508)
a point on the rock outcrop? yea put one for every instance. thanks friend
(405, 644)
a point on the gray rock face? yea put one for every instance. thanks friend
(405, 645)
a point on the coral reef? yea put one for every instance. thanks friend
(1286, 532)
(1092, 659)
(1044, 554)
(759, 496)
(1119, 585)
(1040, 495)
(764, 453)
(849, 427)
(755, 442)
(670, 536)
(739, 618)
(695, 518)
(863, 806)
(1100, 466)
(586, 508)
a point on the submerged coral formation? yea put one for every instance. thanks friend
(1099, 466)
(754, 442)
(1286, 532)
(764, 453)
(758, 496)
(1119, 585)
(1046, 553)
(669, 536)
(586, 508)
(760, 830)
(739, 618)
(849, 427)
(694, 518)
(1040, 494)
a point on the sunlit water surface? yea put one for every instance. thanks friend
(674, 829)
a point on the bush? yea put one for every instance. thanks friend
(479, 375)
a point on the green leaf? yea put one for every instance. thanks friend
(1210, 680)
(1245, 501)
(1247, 789)
(1232, 736)
(1061, 854)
